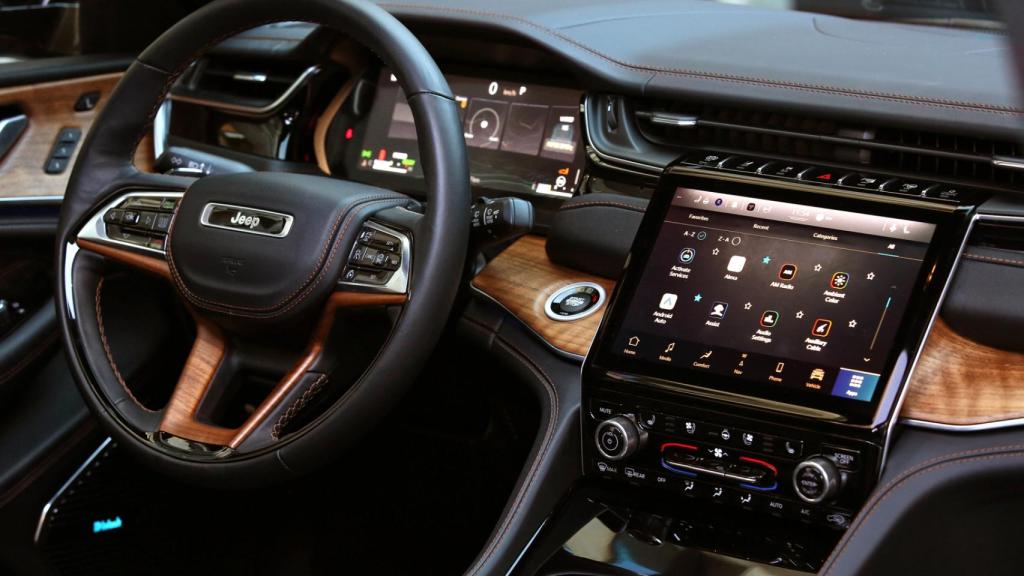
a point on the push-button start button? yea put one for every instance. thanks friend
(574, 301)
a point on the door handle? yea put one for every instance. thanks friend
(11, 128)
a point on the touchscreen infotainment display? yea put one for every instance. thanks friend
(781, 295)
(520, 137)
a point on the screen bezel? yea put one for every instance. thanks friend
(942, 254)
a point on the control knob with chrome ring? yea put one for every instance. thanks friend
(817, 480)
(618, 438)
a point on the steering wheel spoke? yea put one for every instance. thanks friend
(207, 372)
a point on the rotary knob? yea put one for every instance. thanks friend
(617, 438)
(817, 480)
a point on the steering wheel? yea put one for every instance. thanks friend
(260, 261)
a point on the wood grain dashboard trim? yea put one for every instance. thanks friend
(960, 382)
(522, 278)
(957, 383)
(51, 106)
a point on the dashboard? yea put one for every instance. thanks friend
(779, 316)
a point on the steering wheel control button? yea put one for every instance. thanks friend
(385, 241)
(113, 216)
(816, 480)
(574, 301)
(163, 222)
(141, 219)
(617, 438)
(377, 258)
(147, 220)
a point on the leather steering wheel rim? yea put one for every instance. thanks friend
(104, 170)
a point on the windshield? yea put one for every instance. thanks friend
(960, 13)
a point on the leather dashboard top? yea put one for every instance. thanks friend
(948, 78)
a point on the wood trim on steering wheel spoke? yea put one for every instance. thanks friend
(152, 264)
(207, 355)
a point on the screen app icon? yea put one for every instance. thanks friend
(718, 310)
(821, 328)
(736, 264)
(787, 272)
(769, 318)
(839, 280)
(687, 255)
(668, 301)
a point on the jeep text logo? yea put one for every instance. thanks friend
(244, 219)
(241, 219)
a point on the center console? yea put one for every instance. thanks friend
(747, 373)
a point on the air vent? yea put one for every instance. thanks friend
(922, 154)
(251, 88)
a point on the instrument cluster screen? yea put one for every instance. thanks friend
(522, 138)
(776, 294)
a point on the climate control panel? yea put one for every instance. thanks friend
(750, 466)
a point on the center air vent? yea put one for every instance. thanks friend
(251, 88)
(884, 149)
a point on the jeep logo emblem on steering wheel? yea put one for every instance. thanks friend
(242, 219)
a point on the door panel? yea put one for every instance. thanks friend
(50, 108)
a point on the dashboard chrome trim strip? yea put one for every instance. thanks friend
(71, 252)
(980, 427)
(995, 424)
(64, 487)
(161, 128)
(31, 199)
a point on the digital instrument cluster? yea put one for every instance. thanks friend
(521, 138)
